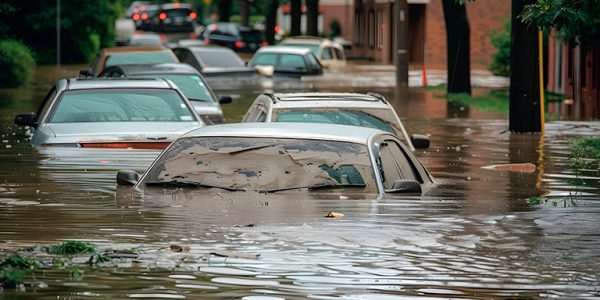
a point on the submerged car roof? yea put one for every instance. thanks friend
(110, 83)
(166, 68)
(135, 49)
(282, 49)
(288, 100)
(316, 131)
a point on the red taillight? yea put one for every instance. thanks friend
(262, 44)
(239, 44)
(206, 41)
(213, 27)
(193, 15)
(136, 17)
(277, 28)
(125, 145)
(162, 16)
(144, 16)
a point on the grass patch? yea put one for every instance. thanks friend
(439, 87)
(494, 100)
(70, 248)
(585, 156)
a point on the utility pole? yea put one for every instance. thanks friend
(401, 16)
(58, 33)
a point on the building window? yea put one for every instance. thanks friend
(380, 28)
(371, 23)
(359, 27)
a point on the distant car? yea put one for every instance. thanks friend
(134, 8)
(330, 54)
(287, 60)
(145, 39)
(173, 17)
(366, 110)
(189, 43)
(234, 36)
(278, 157)
(213, 60)
(187, 79)
(96, 113)
(144, 15)
(129, 56)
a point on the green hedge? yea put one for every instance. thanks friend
(16, 63)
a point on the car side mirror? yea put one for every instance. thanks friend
(26, 119)
(127, 177)
(420, 141)
(86, 72)
(225, 99)
(405, 186)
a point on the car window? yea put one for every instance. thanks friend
(187, 57)
(332, 116)
(129, 58)
(312, 62)
(46, 103)
(192, 86)
(121, 105)
(256, 114)
(327, 53)
(264, 163)
(264, 59)
(252, 36)
(394, 165)
(291, 61)
(339, 54)
(220, 59)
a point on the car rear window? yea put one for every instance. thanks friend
(190, 85)
(178, 13)
(220, 59)
(131, 58)
(252, 36)
(291, 61)
(121, 105)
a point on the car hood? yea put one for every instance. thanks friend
(122, 132)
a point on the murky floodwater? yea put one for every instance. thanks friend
(476, 236)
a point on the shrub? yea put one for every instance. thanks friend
(501, 58)
(16, 63)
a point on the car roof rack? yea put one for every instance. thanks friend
(378, 96)
(272, 97)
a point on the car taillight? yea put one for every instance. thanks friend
(193, 15)
(162, 16)
(144, 16)
(206, 41)
(126, 145)
(136, 17)
(277, 28)
(263, 44)
(239, 44)
(213, 27)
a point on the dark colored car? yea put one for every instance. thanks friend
(174, 17)
(137, 55)
(144, 15)
(233, 36)
(187, 79)
(214, 61)
(287, 61)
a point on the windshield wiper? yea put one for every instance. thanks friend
(314, 187)
(182, 183)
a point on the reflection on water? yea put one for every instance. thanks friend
(476, 236)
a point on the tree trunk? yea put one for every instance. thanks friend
(524, 95)
(244, 12)
(224, 10)
(296, 14)
(312, 17)
(271, 21)
(458, 47)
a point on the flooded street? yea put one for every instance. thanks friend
(480, 234)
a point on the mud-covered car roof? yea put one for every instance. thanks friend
(110, 83)
(289, 100)
(166, 68)
(283, 50)
(316, 131)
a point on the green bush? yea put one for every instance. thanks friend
(501, 58)
(16, 63)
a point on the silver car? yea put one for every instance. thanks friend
(277, 157)
(96, 113)
(366, 110)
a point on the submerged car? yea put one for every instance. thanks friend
(366, 110)
(277, 157)
(96, 113)
(214, 61)
(135, 55)
(187, 79)
(234, 36)
(287, 60)
(172, 17)
(329, 53)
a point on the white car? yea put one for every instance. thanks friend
(330, 54)
(365, 110)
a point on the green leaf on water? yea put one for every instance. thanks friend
(534, 201)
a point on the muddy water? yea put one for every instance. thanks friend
(478, 235)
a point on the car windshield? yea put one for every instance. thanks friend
(264, 164)
(134, 58)
(219, 59)
(279, 60)
(121, 105)
(312, 47)
(178, 12)
(382, 119)
(190, 85)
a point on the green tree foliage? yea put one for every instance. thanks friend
(86, 26)
(571, 18)
(16, 63)
(501, 58)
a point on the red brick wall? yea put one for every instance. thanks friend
(484, 15)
